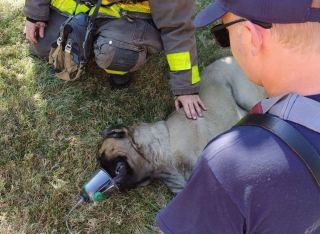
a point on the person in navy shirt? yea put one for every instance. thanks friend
(247, 180)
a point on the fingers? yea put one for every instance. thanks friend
(192, 105)
(188, 112)
(185, 106)
(31, 30)
(181, 100)
(41, 32)
(41, 26)
(201, 104)
(197, 109)
(193, 111)
(31, 36)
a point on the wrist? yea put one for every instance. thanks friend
(35, 21)
(177, 95)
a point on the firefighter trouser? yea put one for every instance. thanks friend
(120, 45)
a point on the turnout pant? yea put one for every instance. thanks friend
(121, 45)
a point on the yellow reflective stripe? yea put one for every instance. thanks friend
(68, 6)
(195, 75)
(142, 7)
(179, 61)
(116, 72)
(113, 10)
(105, 2)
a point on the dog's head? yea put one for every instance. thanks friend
(120, 156)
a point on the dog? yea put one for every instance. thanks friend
(168, 150)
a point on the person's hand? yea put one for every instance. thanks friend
(32, 29)
(191, 104)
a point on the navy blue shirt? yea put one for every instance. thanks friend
(247, 181)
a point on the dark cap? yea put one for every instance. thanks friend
(269, 11)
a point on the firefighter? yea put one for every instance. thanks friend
(128, 32)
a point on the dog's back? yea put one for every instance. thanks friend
(228, 95)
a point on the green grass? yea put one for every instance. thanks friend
(50, 135)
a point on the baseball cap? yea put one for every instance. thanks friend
(269, 11)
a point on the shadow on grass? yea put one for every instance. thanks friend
(50, 137)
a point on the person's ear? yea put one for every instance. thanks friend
(256, 37)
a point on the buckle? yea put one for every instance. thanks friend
(68, 46)
(59, 41)
(90, 4)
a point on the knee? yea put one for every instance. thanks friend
(40, 50)
(113, 57)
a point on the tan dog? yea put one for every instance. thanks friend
(168, 150)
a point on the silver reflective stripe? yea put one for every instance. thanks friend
(295, 108)
(270, 102)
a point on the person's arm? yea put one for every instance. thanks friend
(37, 13)
(174, 20)
(203, 206)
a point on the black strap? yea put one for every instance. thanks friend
(289, 135)
(96, 10)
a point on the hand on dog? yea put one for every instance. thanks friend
(32, 29)
(191, 104)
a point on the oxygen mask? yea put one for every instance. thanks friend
(100, 186)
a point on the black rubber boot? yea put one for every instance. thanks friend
(120, 81)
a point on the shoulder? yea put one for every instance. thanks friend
(239, 140)
(246, 153)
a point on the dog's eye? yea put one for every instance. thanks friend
(120, 167)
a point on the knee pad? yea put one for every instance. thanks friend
(123, 45)
(110, 55)
(40, 50)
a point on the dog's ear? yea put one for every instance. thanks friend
(114, 132)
